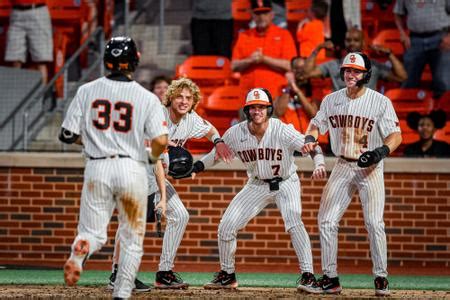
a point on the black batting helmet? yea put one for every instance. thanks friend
(121, 54)
(259, 96)
(180, 162)
(359, 61)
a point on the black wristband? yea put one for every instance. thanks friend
(309, 139)
(218, 140)
(199, 166)
(383, 151)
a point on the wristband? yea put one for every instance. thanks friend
(199, 166)
(215, 137)
(309, 139)
(383, 151)
(218, 140)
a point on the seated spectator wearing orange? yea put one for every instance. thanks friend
(426, 126)
(354, 42)
(262, 54)
(293, 106)
(310, 31)
(30, 30)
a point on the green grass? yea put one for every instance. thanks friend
(55, 277)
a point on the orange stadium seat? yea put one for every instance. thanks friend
(390, 38)
(409, 100)
(373, 18)
(295, 12)
(220, 109)
(209, 72)
(444, 133)
(241, 13)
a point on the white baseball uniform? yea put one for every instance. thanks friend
(272, 157)
(177, 217)
(355, 126)
(112, 118)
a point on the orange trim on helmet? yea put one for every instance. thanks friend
(357, 67)
(256, 102)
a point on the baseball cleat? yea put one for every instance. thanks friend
(222, 280)
(330, 285)
(381, 286)
(139, 286)
(307, 283)
(74, 265)
(169, 280)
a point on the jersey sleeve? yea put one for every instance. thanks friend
(155, 124)
(320, 120)
(389, 121)
(325, 68)
(200, 126)
(73, 119)
(382, 69)
(292, 138)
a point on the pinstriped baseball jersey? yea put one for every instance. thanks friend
(113, 117)
(356, 125)
(272, 156)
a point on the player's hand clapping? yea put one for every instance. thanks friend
(310, 144)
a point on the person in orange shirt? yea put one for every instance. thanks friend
(30, 30)
(310, 31)
(262, 54)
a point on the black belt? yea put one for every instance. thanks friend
(348, 159)
(27, 7)
(112, 156)
(427, 33)
(274, 183)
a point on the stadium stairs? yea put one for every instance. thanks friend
(154, 61)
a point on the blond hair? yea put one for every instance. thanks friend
(175, 88)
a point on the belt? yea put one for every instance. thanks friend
(348, 159)
(427, 33)
(112, 156)
(275, 179)
(27, 7)
(274, 183)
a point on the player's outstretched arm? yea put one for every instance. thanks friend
(160, 181)
(158, 145)
(319, 163)
(222, 150)
(370, 158)
(311, 135)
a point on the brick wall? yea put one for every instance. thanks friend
(39, 214)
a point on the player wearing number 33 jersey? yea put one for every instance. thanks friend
(112, 115)
(266, 147)
(363, 129)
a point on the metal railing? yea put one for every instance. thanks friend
(31, 126)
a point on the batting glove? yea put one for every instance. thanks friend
(369, 158)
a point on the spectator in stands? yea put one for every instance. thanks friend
(426, 126)
(30, 30)
(428, 41)
(310, 31)
(159, 86)
(354, 42)
(262, 54)
(212, 27)
(295, 101)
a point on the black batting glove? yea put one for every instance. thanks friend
(369, 158)
(199, 166)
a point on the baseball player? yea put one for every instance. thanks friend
(111, 116)
(266, 147)
(183, 122)
(363, 129)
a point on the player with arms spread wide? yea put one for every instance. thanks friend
(111, 116)
(364, 129)
(266, 146)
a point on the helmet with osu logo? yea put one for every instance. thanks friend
(359, 61)
(121, 54)
(258, 96)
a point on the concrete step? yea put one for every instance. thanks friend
(163, 61)
(148, 32)
(150, 47)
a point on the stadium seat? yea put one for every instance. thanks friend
(295, 12)
(409, 100)
(374, 18)
(390, 38)
(241, 13)
(444, 133)
(220, 109)
(209, 72)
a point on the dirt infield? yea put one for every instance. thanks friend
(83, 292)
